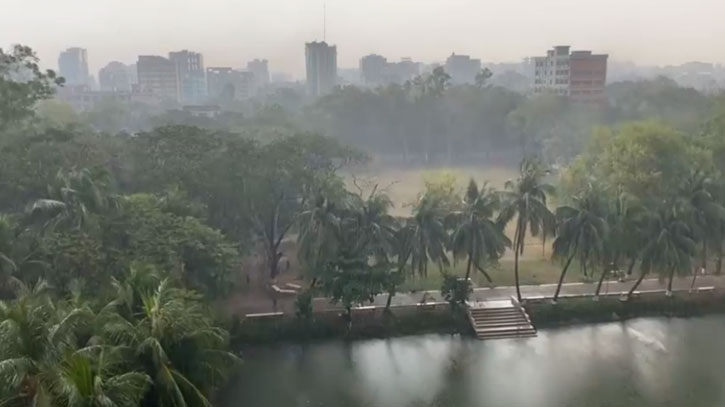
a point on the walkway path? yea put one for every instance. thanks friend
(547, 290)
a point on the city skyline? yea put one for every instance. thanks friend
(431, 30)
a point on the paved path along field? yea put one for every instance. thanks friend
(546, 290)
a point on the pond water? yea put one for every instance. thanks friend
(640, 362)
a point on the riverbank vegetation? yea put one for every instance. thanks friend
(116, 250)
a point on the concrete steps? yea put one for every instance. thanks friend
(499, 320)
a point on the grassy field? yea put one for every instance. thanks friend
(531, 271)
(403, 186)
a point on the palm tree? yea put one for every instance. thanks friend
(582, 231)
(717, 191)
(320, 234)
(669, 245)
(428, 236)
(525, 200)
(91, 378)
(34, 335)
(476, 235)
(402, 249)
(174, 341)
(371, 227)
(72, 200)
(703, 213)
(625, 217)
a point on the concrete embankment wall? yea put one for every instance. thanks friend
(373, 321)
(370, 321)
(576, 309)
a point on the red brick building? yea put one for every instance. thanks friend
(580, 75)
(587, 75)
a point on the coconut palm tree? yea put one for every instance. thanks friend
(320, 235)
(94, 377)
(703, 213)
(525, 200)
(34, 335)
(669, 245)
(402, 249)
(72, 200)
(476, 235)
(428, 236)
(582, 230)
(173, 341)
(625, 217)
(717, 191)
(370, 227)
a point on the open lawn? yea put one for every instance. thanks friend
(403, 186)
(533, 270)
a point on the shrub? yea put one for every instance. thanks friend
(456, 290)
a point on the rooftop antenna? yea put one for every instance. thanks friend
(324, 22)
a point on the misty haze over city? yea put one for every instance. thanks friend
(355, 203)
(228, 33)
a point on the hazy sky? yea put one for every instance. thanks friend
(230, 32)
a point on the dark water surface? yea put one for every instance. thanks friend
(640, 362)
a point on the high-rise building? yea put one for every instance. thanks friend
(321, 64)
(192, 82)
(462, 68)
(404, 70)
(158, 75)
(260, 70)
(376, 70)
(73, 66)
(226, 84)
(580, 75)
(114, 77)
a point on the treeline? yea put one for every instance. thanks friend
(427, 120)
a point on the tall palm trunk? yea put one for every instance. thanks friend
(517, 246)
(485, 274)
(631, 265)
(636, 284)
(516, 274)
(605, 271)
(391, 292)
(470, 261)
(471, 254)
(669, 283)
(694, 276)
(390, 299)
(704, 255)
(566, 267)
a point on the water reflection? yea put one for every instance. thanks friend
(643, 362)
